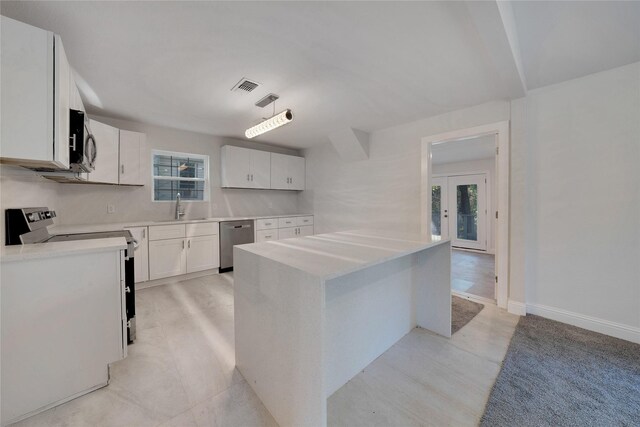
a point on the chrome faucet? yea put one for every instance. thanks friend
(179, 210)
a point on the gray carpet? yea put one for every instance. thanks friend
(462, 311)
(559, 375)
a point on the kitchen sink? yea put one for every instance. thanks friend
(182, 220)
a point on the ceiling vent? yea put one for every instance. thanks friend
(245, 85)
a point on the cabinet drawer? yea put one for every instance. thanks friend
(162, 232)
(266, 235)
(304, 220)
(287, 222)
(202, 229)
(266, 224)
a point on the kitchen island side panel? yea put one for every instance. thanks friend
(368, 311)
(279, 323)
(432, 285)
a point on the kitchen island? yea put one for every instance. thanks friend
(310, 313)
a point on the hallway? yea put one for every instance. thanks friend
(473, 273)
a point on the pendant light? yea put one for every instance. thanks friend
(269, 124)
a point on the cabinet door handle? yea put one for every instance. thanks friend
(183, 245)
(247, 177)
(73, 142)
(189, 242)
(121, 168)
(251, 177)
(144, 233)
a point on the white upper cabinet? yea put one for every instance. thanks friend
(260, 169)
(297, 172)
(245, 168)
(287, 172)
(236, 167)
(34, 97)
(107, 142)
(131, 147)
(119, 155)
(62, 104)
(279, 172)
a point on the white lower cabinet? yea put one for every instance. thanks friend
(167, 258)
(287, 233)
(203, 253)
(283, 228)
(305, 231)
(180, 249)
(290, 232)
(266, 235)
(141, 254)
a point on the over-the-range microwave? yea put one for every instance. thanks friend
(82, 144)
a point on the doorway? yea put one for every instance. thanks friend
(459, 210)
(459, 196)
(474, 259)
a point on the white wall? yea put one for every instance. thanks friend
(20, 188)
(574, 193)
(474, 166)
(87, 203)
(582, 231)
(383, 191)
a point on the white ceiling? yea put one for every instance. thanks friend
(563, 40)
(366, 65)
(478, 148)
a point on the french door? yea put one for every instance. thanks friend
(459, 210)
(439, 208)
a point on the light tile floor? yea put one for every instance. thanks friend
(180, 371)
(473, 273)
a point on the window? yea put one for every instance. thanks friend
(173, 173)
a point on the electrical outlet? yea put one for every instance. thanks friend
(111, 208)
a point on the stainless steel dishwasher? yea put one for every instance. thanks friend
(233, 233)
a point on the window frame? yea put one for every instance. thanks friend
(206, 180)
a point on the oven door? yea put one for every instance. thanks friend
(130, 296)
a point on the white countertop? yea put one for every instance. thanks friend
(52, 249)
(88, 228)
(335, 254)
(55, 249)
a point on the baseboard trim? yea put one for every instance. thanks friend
(518, 308)
(595, 324)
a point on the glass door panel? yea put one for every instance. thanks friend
(439, 209)
(467, 211)
(467, 195)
